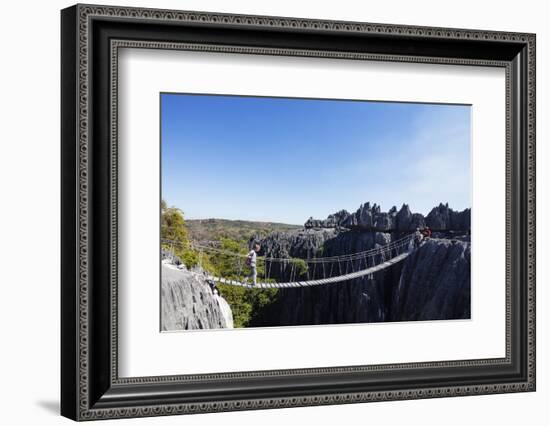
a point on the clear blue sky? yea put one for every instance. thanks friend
(284, 160)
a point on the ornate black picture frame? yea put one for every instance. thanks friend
(91, 36)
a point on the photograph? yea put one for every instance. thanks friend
(282, 211)
(263, 209)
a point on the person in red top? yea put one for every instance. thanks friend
(427, 232)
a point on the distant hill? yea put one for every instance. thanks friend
(204, 230)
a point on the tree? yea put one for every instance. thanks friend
(245, 303)
(175, 236)
(172, 225)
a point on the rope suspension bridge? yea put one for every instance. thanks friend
(297, 272)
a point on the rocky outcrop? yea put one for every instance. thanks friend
(225, 310)
(434, 283)
(408, 221)
(332, 221)
(169, 256)
(371, 218)
(188, 303)
(301, 244)
(444, 218)
(311, 243)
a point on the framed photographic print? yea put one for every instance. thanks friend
(263, 212)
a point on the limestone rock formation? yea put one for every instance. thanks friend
(371, 218)
(332, 221)
(188, 303)
(169, 256)
(296, 244)
(434, 283)
(408, 221)
(444, 218)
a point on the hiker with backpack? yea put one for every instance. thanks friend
(251, 263)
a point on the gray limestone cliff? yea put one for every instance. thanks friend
(188, 303)
(432, 283)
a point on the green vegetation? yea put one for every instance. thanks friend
(300, 268)
(216, 229)
(245, 303)
(174, 229)
(172, 225)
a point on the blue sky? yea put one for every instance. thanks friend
(284, 159)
